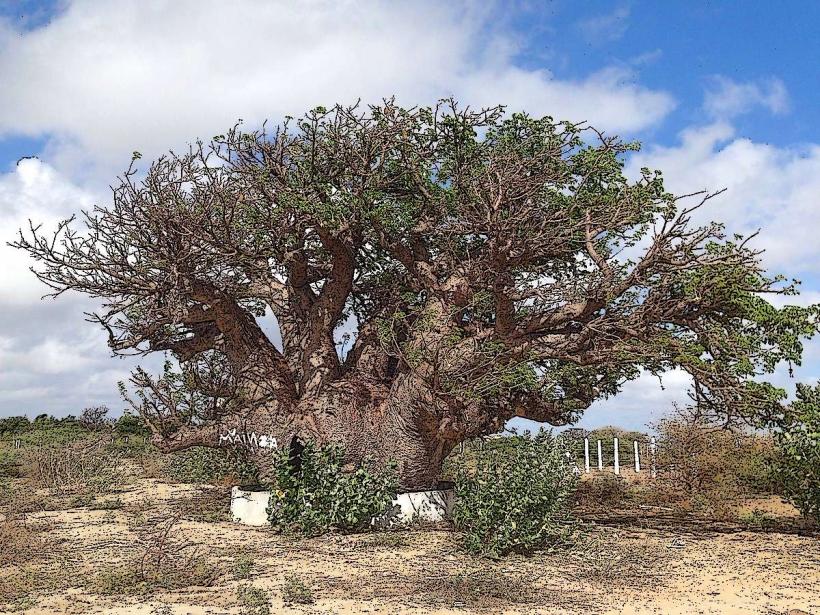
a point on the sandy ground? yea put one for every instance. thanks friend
(645, 566)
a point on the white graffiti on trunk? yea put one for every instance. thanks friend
(249, 439)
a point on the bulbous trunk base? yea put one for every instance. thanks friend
(368, 428)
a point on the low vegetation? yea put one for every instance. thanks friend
(517, 499)
(709, 469)
(316, 495)
(295, 591)
(210, 465)
(162, 559)
(253, 600)
(516, 495)
(799, 441)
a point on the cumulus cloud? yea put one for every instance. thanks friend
(770, 188)
(641, 402)
(726, 98)
(100, 80)
(609, 99)
(50, 359)
(606, 28)
(32, 191)
(104, 78)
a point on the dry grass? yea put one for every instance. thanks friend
(31, 563)
(162, 559)
(208, 504)
(485, 588)
(21, 543)
(84, 466)
(611, 557)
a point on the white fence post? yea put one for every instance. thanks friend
(637, 457)
(652, 449)
(617, 460)
(586, 455)
(600, 458)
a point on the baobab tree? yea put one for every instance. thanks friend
(432, 273)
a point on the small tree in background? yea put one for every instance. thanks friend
(95, 418)
(14, 425)
(705, 465)
(131, 425)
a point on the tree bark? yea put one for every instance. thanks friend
(371, 423)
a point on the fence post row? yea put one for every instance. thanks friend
(617, 458)
(586, 455)
(652, 449)
(637, 456)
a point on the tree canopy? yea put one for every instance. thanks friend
(473, 265)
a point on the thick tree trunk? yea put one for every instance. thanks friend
(371, 423)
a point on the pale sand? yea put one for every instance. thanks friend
(738, 572)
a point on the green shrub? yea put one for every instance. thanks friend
(516, 500)
(9, 463)
(799, 442)
(47, 434)
(201, 464)
(131, 425)
(295, 591)
(254, 600)
(243, 566)
(12, 425)
(319, 496)
(756, 519)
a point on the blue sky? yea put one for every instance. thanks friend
(681, 46)
(722, 94)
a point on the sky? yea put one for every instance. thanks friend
(721, 94)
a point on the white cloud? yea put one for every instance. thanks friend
(50, 356)
(610, 99)
(804, 299)
(32, 191)
(769, 188)
(102, 79)
(606, 28)
(50, 359)
(105, 78)
(641, 402)
(726, 98)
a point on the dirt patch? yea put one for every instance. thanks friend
(639, 567)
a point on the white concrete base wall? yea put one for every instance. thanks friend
(419, 507)
(250, 507)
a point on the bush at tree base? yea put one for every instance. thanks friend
(799, 442)
(314, 495)
(516, 500)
